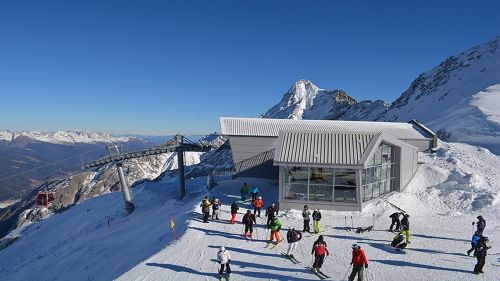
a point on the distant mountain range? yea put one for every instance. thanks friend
(459, 99)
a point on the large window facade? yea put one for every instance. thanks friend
(378, 178)
(319, 184)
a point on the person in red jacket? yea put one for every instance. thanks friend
(319, 251)
(257, 204)
(359, 262)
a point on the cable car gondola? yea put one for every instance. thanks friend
(44, 198)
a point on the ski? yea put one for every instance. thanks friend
(291, 258)
(276, 244)
(321, 272)
(317, 273)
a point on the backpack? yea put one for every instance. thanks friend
(320, 249)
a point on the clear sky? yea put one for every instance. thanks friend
(160, 67)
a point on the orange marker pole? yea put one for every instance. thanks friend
(172, 225)
(47, 199)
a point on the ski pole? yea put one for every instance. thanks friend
(472, 228)
(345, 223)
(343, 279)
(373, 223)
(301, 251)
(352, 223)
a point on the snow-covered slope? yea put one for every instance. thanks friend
(79, 245)
(460, 96)
(63, 137)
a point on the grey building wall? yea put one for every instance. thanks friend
(244, 147)
(408, 165)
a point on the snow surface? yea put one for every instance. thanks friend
(488, 101)
(63, 137)
(448, 192)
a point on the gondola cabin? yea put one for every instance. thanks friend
(44, 199)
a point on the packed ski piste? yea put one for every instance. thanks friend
(444, 226)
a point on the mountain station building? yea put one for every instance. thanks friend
(330, 164)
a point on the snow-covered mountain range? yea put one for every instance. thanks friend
(62, 137)
(460, 98)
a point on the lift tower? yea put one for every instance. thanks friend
(178, 144)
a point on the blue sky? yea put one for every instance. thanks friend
(159, 67)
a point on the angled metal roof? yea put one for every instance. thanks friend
(325, 148)
(271, 127)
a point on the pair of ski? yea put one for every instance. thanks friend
(318, 273)
(291, 258)
(268, 245)
(221, 277)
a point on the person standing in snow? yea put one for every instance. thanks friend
(473, 242)
(224, 259)
(244, 191)
(275, 226)
(271, 211)
(248, 220)
(481, 224)
(405, 227)
(319, 251)
(481, 252)
(205, 209)
(257, 205)
(395, 221)
(215, 208)
(316, 218)
(359, 263)
(234, 211)
(292, 237)
(254, 192)
(306, 214)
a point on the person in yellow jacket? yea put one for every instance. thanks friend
(244, 191)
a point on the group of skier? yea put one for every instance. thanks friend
(319, 250)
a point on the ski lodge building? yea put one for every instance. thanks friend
(330, 164)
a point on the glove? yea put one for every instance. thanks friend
(351, 263)
(366, 266)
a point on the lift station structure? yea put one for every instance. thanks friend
(178, 144)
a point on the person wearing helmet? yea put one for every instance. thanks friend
(481, 252)
(319, 251)
(359, 263)
(244, 191)
(270, 212)
(215, 208)
(254, 192)
(205, 209)
(257, 205)
(234, 211)
(316, 218)
(306, 214)
(275, 226)
(248, 220)
(473, 242)
(292, 237)
(395, 221)
(481, 224)
(405, 227)
(224, 259)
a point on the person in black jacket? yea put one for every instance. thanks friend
(405, 227)
(271, 211)
(395, 221)
(234, 211)
(316, 218)
(481, 252)
(292, 237)
(481, 224)
(248, 220)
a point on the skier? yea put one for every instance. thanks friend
(358, 261)
(481, 224)
(475, 238)
(205, 209)
(275, 228)
(395, 221)
(234, 211)
(270, 212)
(316, 218)
(405, 227)
(257, 205)
(244, 191)
(292, 237)
(254, 192)
(306, 214)
(319, 251)
(481, 252)
(398, 243)
(215, 208)
(224, 259)
(248, 220)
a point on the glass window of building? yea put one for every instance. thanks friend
(321, 185)
(345, 185)
(295, 183)
(378, 179)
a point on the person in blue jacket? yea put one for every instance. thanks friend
(254, 191)
(473, 242)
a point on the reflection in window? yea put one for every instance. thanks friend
(377, 180)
